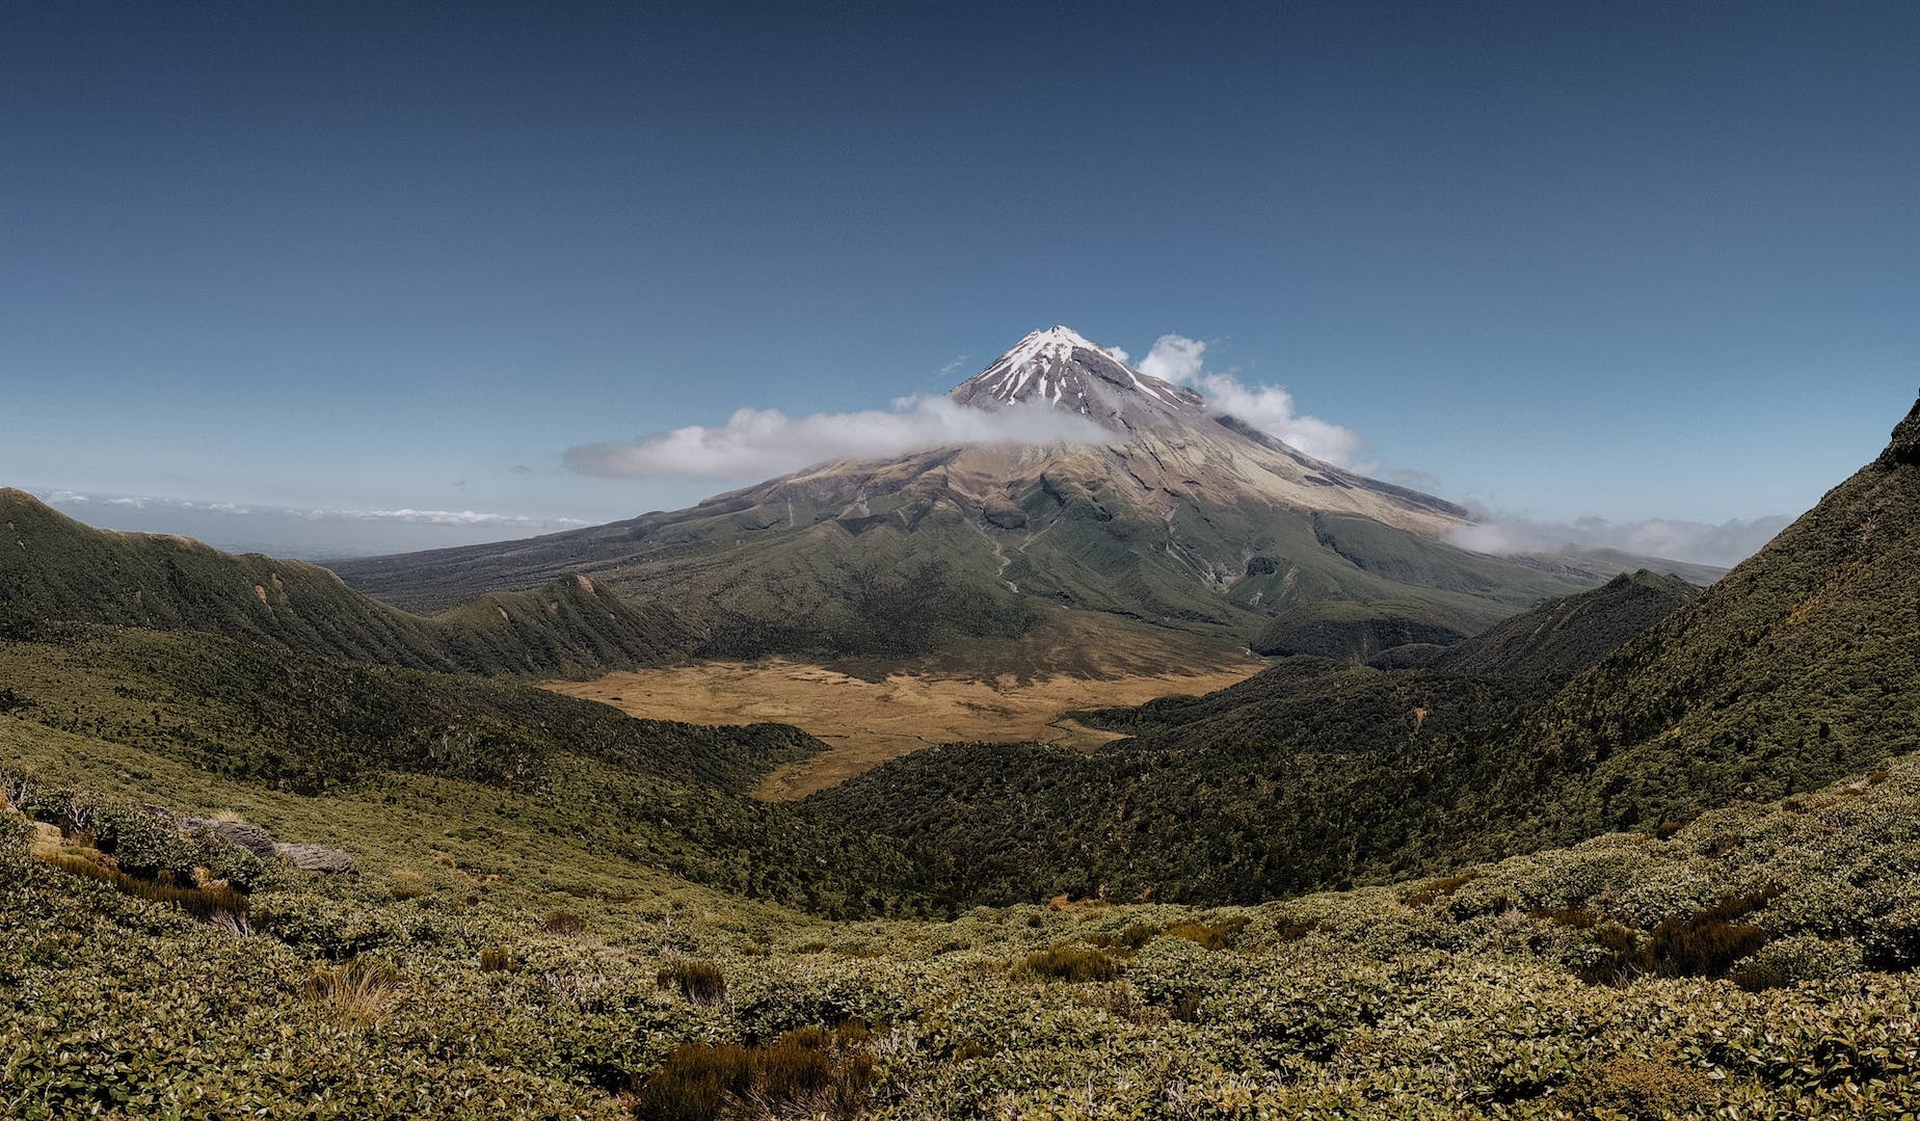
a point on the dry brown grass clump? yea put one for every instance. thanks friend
(1132, 938)
(498, 959)
(808, 1072)
(1069, 963)
(1438, 889)
(564, 922)
(1213, 936)
(702, 982)
(1632, 1086)
(216, 902)
(355, 993)
(1706, 943)
(406, 884)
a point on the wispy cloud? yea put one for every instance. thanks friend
(1269, 408)
(757, 443)
(314, 534)
(1725, 544)
(439, 517)
(407, 516)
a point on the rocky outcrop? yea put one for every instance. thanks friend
(318, 858)
(259, 841)
(232, 834)
(1905, 445)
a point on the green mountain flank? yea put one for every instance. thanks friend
(55, 568)
(662, 794)
(1799, 666)
(1563, 636)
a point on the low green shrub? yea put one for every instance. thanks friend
(14, 829)
(1632, 1086)
(145, 842)
(335, 928)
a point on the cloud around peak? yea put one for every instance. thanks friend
(760, 443)
(1269, 408)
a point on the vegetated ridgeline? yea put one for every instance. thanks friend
(53, 568)
(1798, 667)
(1172, 521)
(1560, 637)
(1313, 773)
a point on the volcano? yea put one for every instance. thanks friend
(1170, 532)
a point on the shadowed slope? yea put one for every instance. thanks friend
(1801, 664)
(54, 568)
(1565, 636)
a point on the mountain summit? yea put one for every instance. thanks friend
(1170, 445)
(1059, 366)
(1182, 536)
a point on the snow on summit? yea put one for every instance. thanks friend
(1063, 368)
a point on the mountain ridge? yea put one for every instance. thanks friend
(54, 568)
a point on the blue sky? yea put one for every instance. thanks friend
(1624, 261)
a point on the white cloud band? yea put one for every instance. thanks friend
(1269, 408)
(1723, 545)
(759, 443)
(68, 498)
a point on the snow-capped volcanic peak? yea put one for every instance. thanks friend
(1051, 347)
(1063, 368)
